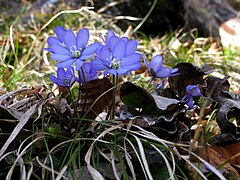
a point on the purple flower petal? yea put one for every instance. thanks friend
(163, 72)
(52, 40)
(193, 90)
(57, 48)
(124, 39)
(70, 71)
(112, 42)
(110, 33)
(59, 30)
(60, 57)
(70, 39)
(92, 48)
(156, 63)
(99, 66)
(122, 71)
(49, 50)
(66, 63)
(82, 38)
(132, 59)
(190, 102)
(72, 80)
(133, 67)
(145, 61)
(110, 71)
(61, 73)
(79, 64)
(131, 47)
(105, 54)
(119, 50)
(84, 57)
(174, 70)
(53, 79)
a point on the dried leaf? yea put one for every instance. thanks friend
(97, 97)
(23, 120)
(217, 156)
(214, 86)
(229, 109)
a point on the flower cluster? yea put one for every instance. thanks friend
(116, 56)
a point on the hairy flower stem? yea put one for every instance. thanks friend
(149, 83)
(71, 97)
(85, 97)
(115, 84)
(72, 105)
(86, 93)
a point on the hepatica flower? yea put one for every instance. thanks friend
(68, 48)
(157, 70)
(117, 56)
(89, 73)
(64, 78)
(191, 91)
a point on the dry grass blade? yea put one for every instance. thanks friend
(9, 94)
(6, 154)
(194, 167)
(48, 168)
(12, 43)
(10, 172)
(30, 171)
(150, 135)
(128, 159)
(60, 175)
(51, 163)
(22, 167)
(170, 171)
(139, 159)
(94, 173)
(114, 3)
(143, 157)
(115, 171)
(24, 119)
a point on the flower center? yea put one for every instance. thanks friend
(115, 63)
(67, 80)
(76, 53)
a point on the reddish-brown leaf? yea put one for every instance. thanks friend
(97, 97)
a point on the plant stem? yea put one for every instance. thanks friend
(86, 93)
(71, 96)
(115, 84)
(85, 96)
(149, 83)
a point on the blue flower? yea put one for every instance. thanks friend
(157, 70)
(117, 56)
(89, 73)
(191, 91)
(64, 78)
(67, 48)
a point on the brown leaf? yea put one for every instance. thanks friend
(97, 97)
(233, 152)
(217, 156)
